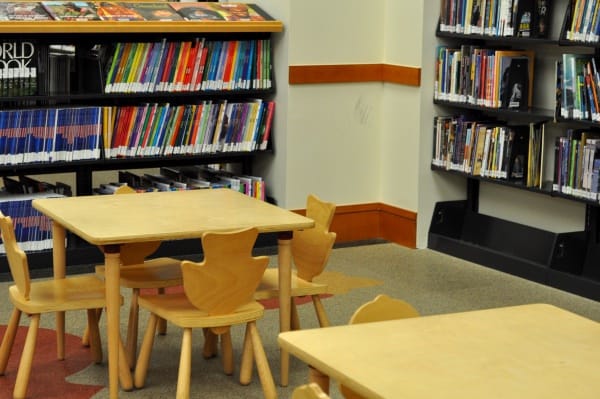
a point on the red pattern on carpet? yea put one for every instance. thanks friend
(48, 374)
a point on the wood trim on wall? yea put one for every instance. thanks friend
(353, 73)
(372, 221)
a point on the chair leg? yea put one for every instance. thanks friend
(321, 315)
(60, 335)
(85, 338)
(247, 359)
(210, 344)
(227, 352)
(162, 323)
(295, 320)
(94, 335)
(141, 367)
(132, 328)
(124, 372)
(24, 372)
(9, 339)
(262, 365)
(185, 365)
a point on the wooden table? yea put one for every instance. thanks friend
(112, 220)
(529, 351)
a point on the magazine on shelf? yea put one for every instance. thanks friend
(114, 11)
(23, 11)
(219, 11)
(71, 10)
(153, 11)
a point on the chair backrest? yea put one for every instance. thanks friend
(17, 259)
(135, 253)
(383, 308)
(309, 391)
(321, 212)
(311, 247)
(228, 276)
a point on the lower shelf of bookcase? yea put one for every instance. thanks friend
(552, 259)
(80, 253)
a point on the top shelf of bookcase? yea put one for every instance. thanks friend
(139, 26)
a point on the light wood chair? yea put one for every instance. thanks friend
(139, 273)
(309, 391)
(381, 308)
(82, 292)
(310, 252)
(218, 293)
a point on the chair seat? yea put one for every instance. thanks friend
(74, 293)
(153, 273)
(177, 309)
(269, 286)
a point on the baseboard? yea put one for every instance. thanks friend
(374, 221)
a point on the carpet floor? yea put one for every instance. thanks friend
(432, 282)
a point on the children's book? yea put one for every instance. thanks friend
(71, 10)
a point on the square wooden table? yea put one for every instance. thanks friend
(111, 220)
(529, 351)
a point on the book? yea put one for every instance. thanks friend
(197, 12)
(71, 10)
(114, 11)
(215, 11)
(23, 11)
(516, 84)
(159, 11)
(524, 22)
(19, 61)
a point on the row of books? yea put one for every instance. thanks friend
(189, 66)
(28, 185)
(33, 230)
(128, 11)
(584, 22)
(521, 18)
(484, 77)
(578, 87)
(81, 133)
(188, 178)
(49, 135)
(209, 127)
(490, 149)
(577, 164)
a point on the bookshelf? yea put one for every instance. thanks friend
(563, 259)
(86, 89)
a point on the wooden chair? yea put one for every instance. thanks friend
(82, 292)
(310, 252)
(309, 391)
(381, 308)
(218, 293)
(140, 273)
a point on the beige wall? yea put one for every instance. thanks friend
(319, 127)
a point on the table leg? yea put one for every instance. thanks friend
(285, 288)
(112, 262)
(59, 266)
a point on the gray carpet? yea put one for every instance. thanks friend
(434, 283)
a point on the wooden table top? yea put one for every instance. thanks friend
(529, 351)
(118, 219)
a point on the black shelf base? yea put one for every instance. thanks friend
(552, 259)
